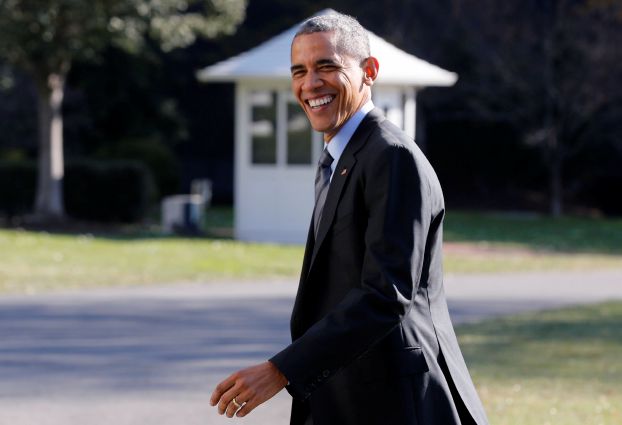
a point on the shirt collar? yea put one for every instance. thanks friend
(339, 142)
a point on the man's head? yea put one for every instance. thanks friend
(351, 37)
(332, 70)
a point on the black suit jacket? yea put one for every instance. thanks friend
(372, 339)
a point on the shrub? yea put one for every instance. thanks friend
(17, 187)
(109, 191)
(157, 156)
(602, 191)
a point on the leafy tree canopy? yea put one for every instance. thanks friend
(45, 36)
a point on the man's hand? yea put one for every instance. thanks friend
(250, 387)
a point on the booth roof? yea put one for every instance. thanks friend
(270, 61)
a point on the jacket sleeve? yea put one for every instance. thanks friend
(397, 201)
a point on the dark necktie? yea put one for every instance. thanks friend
(322, 181)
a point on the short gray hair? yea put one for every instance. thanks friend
(352, 38)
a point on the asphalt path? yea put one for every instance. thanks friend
(152, 355)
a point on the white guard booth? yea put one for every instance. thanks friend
(276, 151)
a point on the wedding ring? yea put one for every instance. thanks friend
(236, 404)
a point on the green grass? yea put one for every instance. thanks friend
(509, 230)
(489, 242)
(502, 242)
(476, 243)
(219, 222)
(34, 261)
(565, 234)
(556, 367)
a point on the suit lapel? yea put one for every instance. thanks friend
(343, 170)
(337, 185)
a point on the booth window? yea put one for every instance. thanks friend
(298, 135)
(263, 127)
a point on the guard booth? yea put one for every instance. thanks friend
(276, 151)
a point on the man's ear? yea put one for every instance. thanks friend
(370, 68)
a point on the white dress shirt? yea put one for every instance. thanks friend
(338, 143)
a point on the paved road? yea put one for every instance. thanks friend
(139, 356)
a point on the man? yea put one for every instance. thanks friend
(372, 338)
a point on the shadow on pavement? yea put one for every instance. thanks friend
(153, 345)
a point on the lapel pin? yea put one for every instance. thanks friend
(344, 171)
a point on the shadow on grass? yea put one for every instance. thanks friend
(582, 343)
(531, 231)
(565, 234)
(218, 224)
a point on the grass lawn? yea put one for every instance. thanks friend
(35, 261)
(560, 367)
(542, 233)
(489, 242)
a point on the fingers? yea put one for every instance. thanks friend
(250, 387)
(248, 406)
(243, 400)
(222, 388)
(232, 407)
(227, 398)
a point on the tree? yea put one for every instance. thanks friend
(551, 69)
(545, 72)
(45, 37)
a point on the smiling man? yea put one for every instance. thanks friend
(331, 83)
(372, 339)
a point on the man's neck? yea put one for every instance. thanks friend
(353, 121)
(343, 136)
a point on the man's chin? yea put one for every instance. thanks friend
(321, 128)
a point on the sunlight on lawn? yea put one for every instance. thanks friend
(557, 367)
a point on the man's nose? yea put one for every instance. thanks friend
(312, 81)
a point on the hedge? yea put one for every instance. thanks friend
(17, 187)
(111, 191)
(157, 157)
(104, 191)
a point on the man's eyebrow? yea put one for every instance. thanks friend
(326, 62)
(319, 62)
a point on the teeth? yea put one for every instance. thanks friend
(314, 103)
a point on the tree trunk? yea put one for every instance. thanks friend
(49, 200)
(555, 176)
(557, 203)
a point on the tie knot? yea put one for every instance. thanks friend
(325, 159)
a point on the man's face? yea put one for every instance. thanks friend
(329, 86)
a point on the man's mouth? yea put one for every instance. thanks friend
(316, 103)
